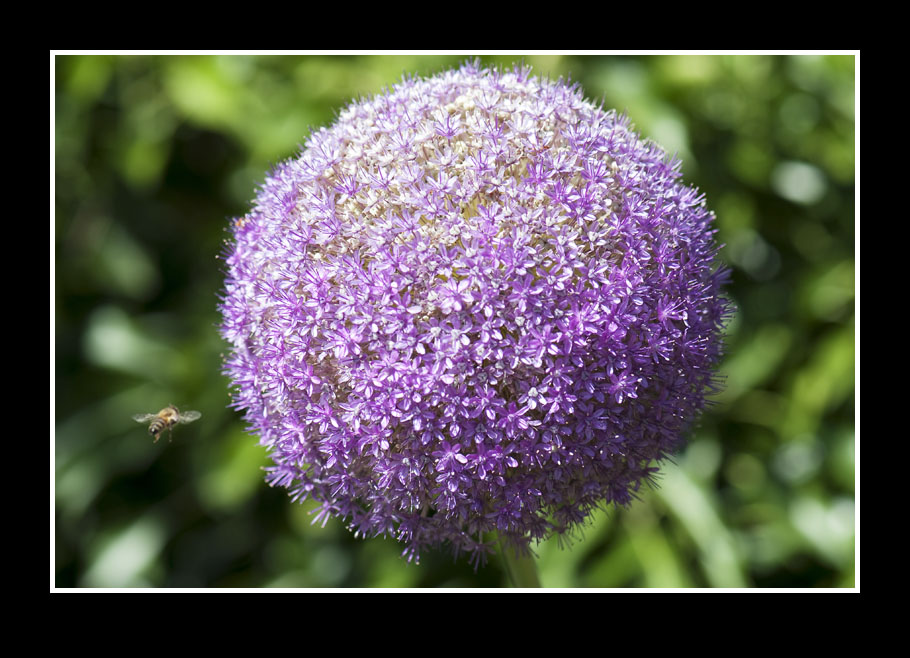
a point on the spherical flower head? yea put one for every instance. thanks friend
(475, 303)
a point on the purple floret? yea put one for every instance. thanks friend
(475, 303)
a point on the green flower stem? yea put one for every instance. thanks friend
(522, 569)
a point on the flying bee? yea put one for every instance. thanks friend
(166, 419)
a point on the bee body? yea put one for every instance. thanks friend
(158, 425)
(166, 419)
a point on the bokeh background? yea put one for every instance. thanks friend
(154, 155)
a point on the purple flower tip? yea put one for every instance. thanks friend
(475, 303)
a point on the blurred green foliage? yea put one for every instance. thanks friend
(155, 154)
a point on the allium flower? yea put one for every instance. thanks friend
(475, 303)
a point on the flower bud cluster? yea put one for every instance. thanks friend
(475, 303)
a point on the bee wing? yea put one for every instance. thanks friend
(143, 418)
(189, 416)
